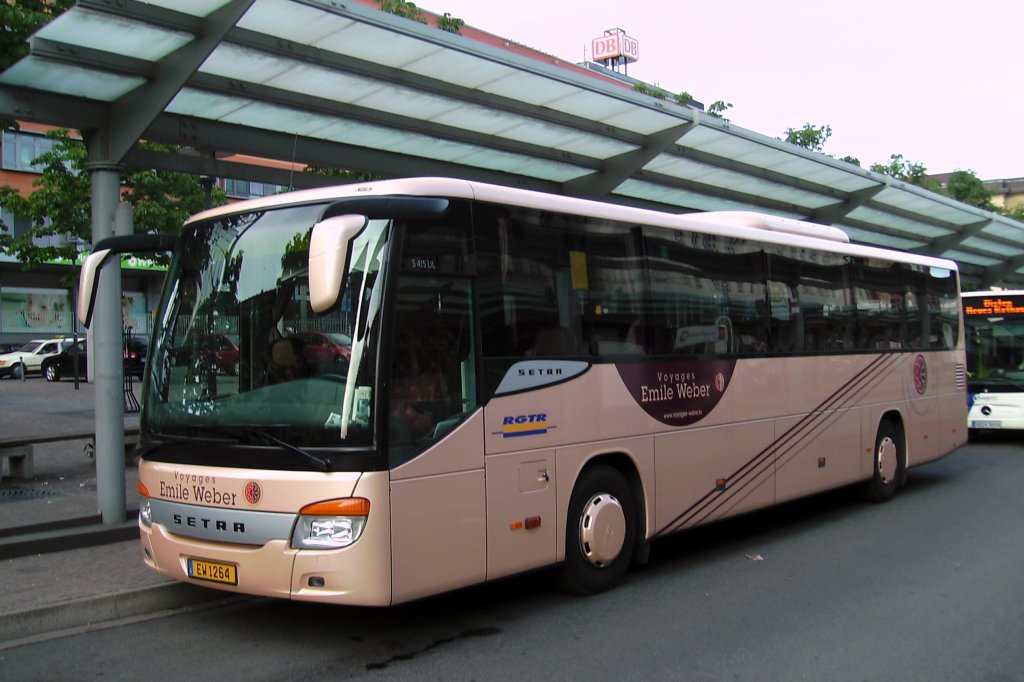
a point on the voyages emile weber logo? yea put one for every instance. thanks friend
(674, 393)
(678, 393)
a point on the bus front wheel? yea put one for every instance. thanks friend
(600, 531)
(888, 463)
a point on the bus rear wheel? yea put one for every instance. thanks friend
(888, 463)
(600, 531)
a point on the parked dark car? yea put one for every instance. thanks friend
(136, 350)
(61, 365)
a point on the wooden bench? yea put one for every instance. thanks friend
(18, 451)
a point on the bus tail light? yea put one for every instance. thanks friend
(331, 524)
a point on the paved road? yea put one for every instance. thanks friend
(64, 485)
(926, 587)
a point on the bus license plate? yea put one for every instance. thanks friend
(214, 571)
(987, 424)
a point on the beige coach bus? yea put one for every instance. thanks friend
(432, 383)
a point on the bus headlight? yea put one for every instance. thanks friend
(331, 524)
(145, 508)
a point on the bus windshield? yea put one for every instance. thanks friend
(239, 353)
(995, 342)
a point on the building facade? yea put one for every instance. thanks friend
(39, 303)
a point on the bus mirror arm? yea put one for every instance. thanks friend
(88, 279)
(328, 258)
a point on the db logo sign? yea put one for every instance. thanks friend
(615, 45)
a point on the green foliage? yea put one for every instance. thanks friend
(851, 159)
(966, 186)
(903, 169)
(651, 91)
(717, 108)
(61, 202)
(1017, 212)
(683, 99)
(19, 20)
(22, 18)
(447, 22)
(403, 8)
(810, 136)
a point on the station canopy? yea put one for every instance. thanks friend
(341, 84)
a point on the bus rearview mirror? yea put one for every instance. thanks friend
(328, 258)
(87, 284)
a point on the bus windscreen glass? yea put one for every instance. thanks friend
(995, 342)
(238, 353)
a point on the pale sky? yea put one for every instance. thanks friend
(940, 82)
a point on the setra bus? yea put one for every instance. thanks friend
(525, 380)
(994, 330)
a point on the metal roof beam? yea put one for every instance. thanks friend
(951, 241)
(999, 274)
(827, 215)
(311, 103)
(316, 152)
(133, 113)
(147, 13)
(756, 171)
(40, 106)
(617, 170)
(387, 74)
(713, 191)
(91, 58)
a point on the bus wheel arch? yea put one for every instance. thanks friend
(604, 529)
(888, 459)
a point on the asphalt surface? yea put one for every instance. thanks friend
(61, 567)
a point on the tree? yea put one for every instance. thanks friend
(20, 19)
(966, 186)
(718, 109)
(60, 203)
(814, 137)
(809, 137)
(403, 8)
(904, 169)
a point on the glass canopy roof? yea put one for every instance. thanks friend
(326, 83)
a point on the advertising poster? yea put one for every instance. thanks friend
(46, 311)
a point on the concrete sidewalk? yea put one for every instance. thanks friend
(60, 566)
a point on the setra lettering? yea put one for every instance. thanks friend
(540, 372)
(209, 524)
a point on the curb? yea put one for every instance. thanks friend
(96, 610)
(64, 535)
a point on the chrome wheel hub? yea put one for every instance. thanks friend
(887, 460)
(602, 529)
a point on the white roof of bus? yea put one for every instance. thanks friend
(736, 224)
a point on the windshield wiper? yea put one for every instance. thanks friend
(243, 433)
(322, 463)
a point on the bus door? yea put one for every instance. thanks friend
(435, 439)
